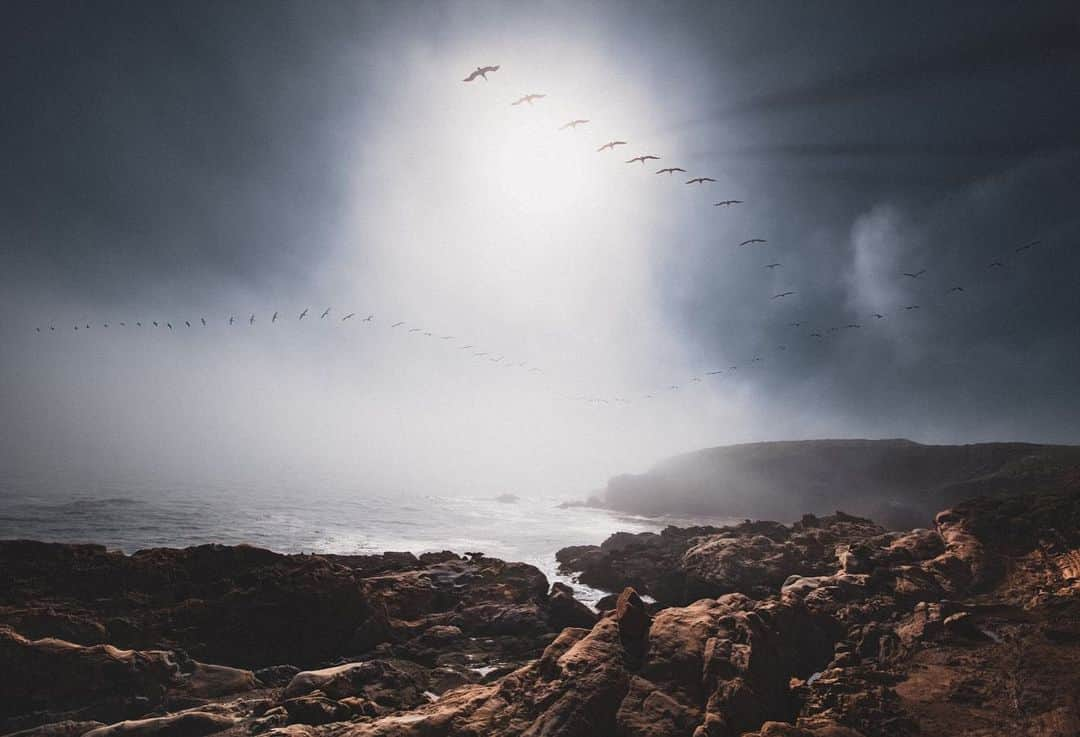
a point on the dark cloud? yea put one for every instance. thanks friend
(202, 156)
(173, 143)
(1041, 42)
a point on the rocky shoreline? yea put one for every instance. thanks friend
(831, 626)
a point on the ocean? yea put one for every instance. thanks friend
(314, 519)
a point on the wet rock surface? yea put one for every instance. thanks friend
(681, 565)
(831, 627)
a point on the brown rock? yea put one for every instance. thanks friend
(186, 724)
(67, 728)
(316, 709)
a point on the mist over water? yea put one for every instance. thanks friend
(317, 514)
(241, 160)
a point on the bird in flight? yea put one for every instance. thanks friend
(912, 307)
(995, 265)
(752, 241)
(573, 124)
(700, 180)
(852, 325)
(878, 316)
(481, 72)
(795, 324)
(446, 337)
(528, 98)
(138, 324)
(670, 170)
(916, 274)
(274, 318)
(231, 319)
(351, 314)
(1027, 246)
(324, 313)
(303, 314)
(772, 266)
(610, 145)
(714, 373)
(464, 347)
(815, 335)
(414, 330)
(203, 321)
(251, 320)
(369, 318)
(956, 289)
(187, 323)
(782, 295)
(727, 203)
(397, 323)
(643, 159)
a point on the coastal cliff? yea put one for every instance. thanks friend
(897, 483)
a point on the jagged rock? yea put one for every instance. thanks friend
(52, 677)
(681, 565)
(233, 605)
(269, 720)
(205, 680)
(276, 675)
(316, 709)
(66, 728)
(566, 611)
(187, 724)
(843, 630)
(249, 606)
(378, 681)
(784, 729)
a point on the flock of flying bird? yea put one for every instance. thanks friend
(505, 362)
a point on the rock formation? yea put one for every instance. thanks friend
(830, 627)
(898, 483)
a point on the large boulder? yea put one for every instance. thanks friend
(53, 680)
(378, 681)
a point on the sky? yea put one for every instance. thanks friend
(177, 161)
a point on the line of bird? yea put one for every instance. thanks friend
(955, 289)
(482, 72)
(276, 317)
(593, 400)
(500, 359)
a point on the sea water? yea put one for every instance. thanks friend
(319, 517)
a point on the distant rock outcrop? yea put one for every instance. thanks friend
(897, 483)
